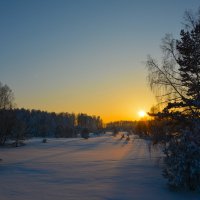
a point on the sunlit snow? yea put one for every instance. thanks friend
(95, 169)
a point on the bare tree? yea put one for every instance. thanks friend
(6, 114)
(6, 97)
(176, 83)
(176, 80)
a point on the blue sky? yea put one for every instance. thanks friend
(84, 55)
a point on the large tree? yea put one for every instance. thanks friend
(176, 82)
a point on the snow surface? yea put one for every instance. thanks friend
(100, 168)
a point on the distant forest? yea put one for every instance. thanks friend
(18, 124)
(22, 123)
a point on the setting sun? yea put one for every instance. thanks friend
(142, 113)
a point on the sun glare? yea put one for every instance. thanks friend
(142, 113)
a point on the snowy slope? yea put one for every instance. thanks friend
(99, 168)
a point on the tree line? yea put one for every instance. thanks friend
(121, 125)
(18, 124)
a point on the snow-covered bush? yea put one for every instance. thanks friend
(44, 140)
(85, 133)
(182, 161)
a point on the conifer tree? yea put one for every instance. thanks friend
(177, 85)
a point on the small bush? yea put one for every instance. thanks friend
(44, 140)
(85, 133)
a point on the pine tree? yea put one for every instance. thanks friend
(189, 62)
(177, 81)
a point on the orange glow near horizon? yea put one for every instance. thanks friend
(72, 58)
(142, 113)
(110, 99)
(115, 107)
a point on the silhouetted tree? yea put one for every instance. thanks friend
(177, 85)
(7, 122)
(19, 128)
(6, 117)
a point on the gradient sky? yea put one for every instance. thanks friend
(84, 55)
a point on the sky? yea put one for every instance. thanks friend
(85, 55)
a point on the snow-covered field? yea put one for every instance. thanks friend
(100, 168)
